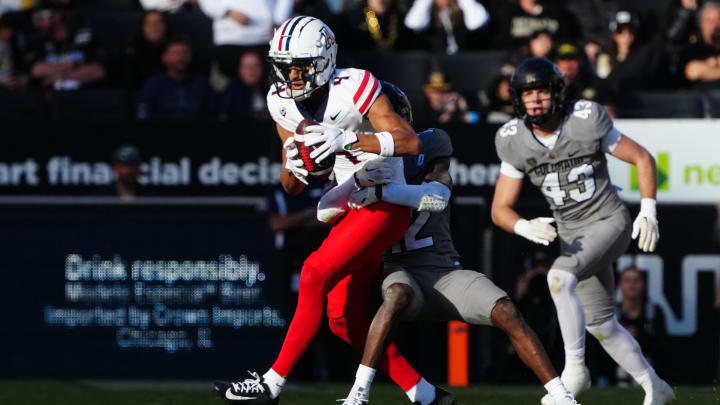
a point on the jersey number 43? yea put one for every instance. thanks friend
(579, 185)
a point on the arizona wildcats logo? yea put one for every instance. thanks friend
(328, 37)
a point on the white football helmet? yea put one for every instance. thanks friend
(303, 42)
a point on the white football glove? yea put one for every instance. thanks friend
(376, 171)
(646, 225)
(334, 140)
(537, 230)
(293, 161)
(362, 197)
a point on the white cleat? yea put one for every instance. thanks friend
(576, 380)
(548, 400)
(356, 397)
(661, 394)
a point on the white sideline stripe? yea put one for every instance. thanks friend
(259, 203)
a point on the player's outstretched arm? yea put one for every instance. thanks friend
(507, 191)
(645, 226)
(293, 178)
(395, 137)
(335, 202)
(432, 196)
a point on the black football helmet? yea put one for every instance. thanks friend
(537, 73)
(398, 100)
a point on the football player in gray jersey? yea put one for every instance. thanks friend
(422, 277)
(561, 147)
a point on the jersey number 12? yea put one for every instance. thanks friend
(411, 242)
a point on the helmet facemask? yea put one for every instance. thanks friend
(556, 99)
(280, 75)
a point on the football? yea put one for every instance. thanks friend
(314, 168)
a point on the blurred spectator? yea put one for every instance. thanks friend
(579, 83)
(447, 105)
(640, 321)
(144, 55)
(519, 19)
(594, 17)
(62, 57)
(496, 105)
(447, 23)
(702, 60)
(678, 25)
(623, 30)
(176, 94)
(11, 72)
(628, 65)
(539, 45)
(533, 299)
(374, 24)
(537, 265)
(126, 167)
(171, 6)
(243, 25)
(246, 95)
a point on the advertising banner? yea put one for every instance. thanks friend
(687, 153)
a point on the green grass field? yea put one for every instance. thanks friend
(81, 393)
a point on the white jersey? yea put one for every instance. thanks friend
(351, 93)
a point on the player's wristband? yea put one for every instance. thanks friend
(387, 144)
(647, 207)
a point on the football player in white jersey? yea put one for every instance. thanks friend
(308, 85)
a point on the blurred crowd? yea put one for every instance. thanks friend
(153, 48)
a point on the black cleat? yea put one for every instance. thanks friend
(442, 397)
(252, 391)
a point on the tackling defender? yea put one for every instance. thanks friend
(561, 146)
(308, 85)
(422, 277)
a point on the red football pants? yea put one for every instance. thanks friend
(352, 252)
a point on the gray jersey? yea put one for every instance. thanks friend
(427, 245)
(573, 175)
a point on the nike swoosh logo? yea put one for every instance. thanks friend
(230, 395)
(573, 154)
(332, 117)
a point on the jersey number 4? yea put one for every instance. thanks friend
(410, 241)
(585, 185)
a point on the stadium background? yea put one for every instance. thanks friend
(87, 275)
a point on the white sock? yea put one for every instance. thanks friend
(569, 310)
(574, 359)
(423, 391)
(625, 350)
(363, 379)
(557, 390)
(274, 382)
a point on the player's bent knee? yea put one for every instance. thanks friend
(311, 278)
(397, 297)
(338, 326)
(505, 315)
(561, 281)
(603, 329)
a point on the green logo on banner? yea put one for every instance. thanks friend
(663, 173)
